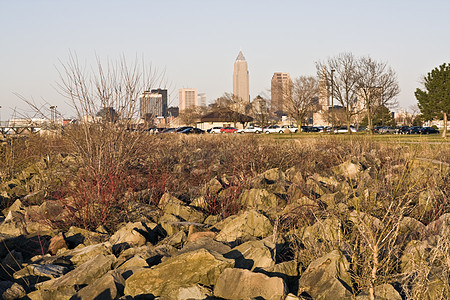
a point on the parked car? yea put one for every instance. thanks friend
(180, 129)
(376, 129)
(386, 129)
(168, 130)
(414, 130)
(402, 130)
(250, 129)
(192, 130)
(273, 129)
(291, 128)
(428, 130)
(228, 130)
(217, 129)
(343, 129)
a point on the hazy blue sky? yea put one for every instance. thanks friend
(196, 42)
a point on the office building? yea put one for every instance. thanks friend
(150, 105)
(241, 79)
(187, 98)
(281, 91)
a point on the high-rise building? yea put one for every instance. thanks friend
(201, 99)
(281, 91)
(150, 105)
(240, 79)
(187, 98)
(163, 93)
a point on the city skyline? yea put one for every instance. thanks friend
(199, 51)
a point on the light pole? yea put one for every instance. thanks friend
(332, 99)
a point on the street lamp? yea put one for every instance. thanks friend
(332, 98)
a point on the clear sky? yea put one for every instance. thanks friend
(196, 42)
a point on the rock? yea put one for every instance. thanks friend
(410, 229)
(134, 234)
(328, 230)
(170, 224)
(213, 187)
(245, 226)
(348, 170)
(56, 243)
(200, 202)
(260, 199)
(199, 235)
(76, 236)
(244, 284)
(212, 220)
(251, 255)
(327, 278)
(135, 261)
(152, 255)
(12, 261)
(53, 210)
(10, 290)
(382, 292)
(14, 224)
(205, 243)
(16, 206)
(440, 227)
(274, 175)
(81, 276)
(109, 286)
(50, 271)
(81, 255)
(188, 293)
(176, 240)
(171, 205)
(288, 271)
(195, 267)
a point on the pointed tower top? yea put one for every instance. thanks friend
(240, 56)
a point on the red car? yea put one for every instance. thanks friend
(228, 130)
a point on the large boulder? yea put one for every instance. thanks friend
(188, 293)
(327, 278)
(205, 243)
(245, 226)
(195, 267)
(109, 286)
(348, 170)
(252, 254)
(81, 255)
(76, 236)
(67, 285)
(244, 284)
(288, 271)
(134, 234)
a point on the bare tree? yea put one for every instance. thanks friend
(191, 115)
(343, 70)
(300, 103)
(377, 86)
(232, 107)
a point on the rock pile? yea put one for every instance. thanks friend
(185, 254)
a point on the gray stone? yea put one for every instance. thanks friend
(260, 199)
(134, 234)
(176, 207)
(244, 284)
(81, 255)
(51, 271)
(188, 293)
(205, 243)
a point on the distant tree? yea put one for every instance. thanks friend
(343, 69)
(300, 102)
(377, 87)
(382, 116)
(434, 100)
(232, 107)
(191, 115)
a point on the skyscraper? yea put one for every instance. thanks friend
(163, 93)
(240, 79)
(187, 98)
(150, 105)
(281, 91)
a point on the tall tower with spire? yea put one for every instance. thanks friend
(240, 79)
